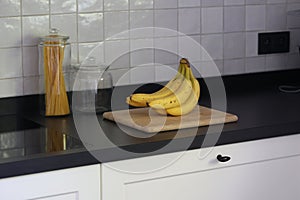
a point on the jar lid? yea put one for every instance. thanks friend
(54, 36)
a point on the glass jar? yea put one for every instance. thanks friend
(92, 87)
(54, 63)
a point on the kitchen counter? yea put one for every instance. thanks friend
(263, 112)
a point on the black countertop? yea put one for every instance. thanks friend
(31, 143)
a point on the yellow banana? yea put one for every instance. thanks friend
(190, 103)
(133, 103)
(167, 90)
(179, 96)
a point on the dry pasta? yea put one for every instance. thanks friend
(56, 100)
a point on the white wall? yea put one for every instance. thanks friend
(227, 29)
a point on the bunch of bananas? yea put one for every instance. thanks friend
(178, 97)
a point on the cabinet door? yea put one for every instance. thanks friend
(71, 196)
(262, 169)
(275, 179)
(80, 183)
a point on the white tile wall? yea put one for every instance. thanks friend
(90, 5)
(90, 27)
(234, 18)
(212, 20)
(255, 17)
(33, 28)
(66, 23)
(11, 31)
(213, 44)
(11, 63)
(63, 6)
(141, 4)
(276, 17)
(226, 29)
(189, 21)
(10, 8)
(234, 45)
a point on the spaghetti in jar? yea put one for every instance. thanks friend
(54, 61)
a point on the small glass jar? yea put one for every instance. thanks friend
(92, 87)
(54, 63)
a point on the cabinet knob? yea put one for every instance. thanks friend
(221, 158)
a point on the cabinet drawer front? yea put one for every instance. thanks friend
(77, 183)
(122, 172)
(260, 180)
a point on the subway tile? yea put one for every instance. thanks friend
(30, 61)
(250, 2)
(116, 25)
(63, 6)
(255, 17)
(255, 64)
(293, 18)
(234, 2)
(209, 3)
(142, 74)
(112, 5)
(166, 50)
(189, 20)
(141, 4)
(213, 44)
(189, 3)
(66, 23)
(34, 27)
(276, 17)
(141, 20)
(166, 19)
(74, 53)
(117, 54)
(90, 5)
(141, 52)
(165, 72)
(234, 18)
(35, 7)
(11, 31)
(206, 69)
(212, 20)
(165, 3)
(295, 41)
(190, 47)
(293, 21)
(9, 8)
(90, 27)
(120, 76)
(31, 85)
(275, 62)
(11, 87)
(95, 50)
(11, 63)
(235, 66)
(251, 44)
(276, 1)
(293, 61)
(234, 45)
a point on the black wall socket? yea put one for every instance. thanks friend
(273, 42)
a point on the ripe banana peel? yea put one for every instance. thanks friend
(178, 97)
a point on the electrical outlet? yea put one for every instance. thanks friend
(273, 42)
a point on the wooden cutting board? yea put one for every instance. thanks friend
(147, 120)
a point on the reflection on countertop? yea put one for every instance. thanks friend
(20, 138)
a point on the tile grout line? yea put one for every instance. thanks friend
(21, 46)
(103, 32)
(77, 34)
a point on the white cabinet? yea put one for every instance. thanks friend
(80, 183)
(262, 169)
